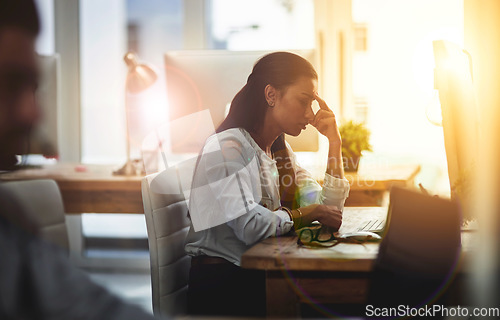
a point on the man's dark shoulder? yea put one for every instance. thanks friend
(12, 212)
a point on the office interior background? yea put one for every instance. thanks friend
(383, 77)
(376, 67)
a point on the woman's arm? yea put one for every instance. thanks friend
(335, 166)
(328, 215)
(260, 223)
(324, 121)
(334, 190)
(324, 204)
(226, 189)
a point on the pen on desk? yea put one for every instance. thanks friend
(424, 191)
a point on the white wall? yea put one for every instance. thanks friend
(45, 41)
(103, 45)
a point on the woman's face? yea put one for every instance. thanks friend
(292, 109)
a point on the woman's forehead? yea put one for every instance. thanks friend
(305, 84)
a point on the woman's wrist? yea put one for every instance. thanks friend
(335, 164)
(334, 144)
(305, 215)
(288, 211)
(297, 218)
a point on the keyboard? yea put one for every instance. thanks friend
(374, 225)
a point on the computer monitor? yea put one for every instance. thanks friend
(453, 79)
(209, 79)
(44, 137)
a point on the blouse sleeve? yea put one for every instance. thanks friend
(260, 223)
(334, 191)
(226, 189)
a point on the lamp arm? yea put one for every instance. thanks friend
(127, 126)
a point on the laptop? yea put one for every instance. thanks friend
(403, 201)
(377, 225)
(419, 252)
(373, 225)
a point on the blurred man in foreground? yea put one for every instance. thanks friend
(36, 279)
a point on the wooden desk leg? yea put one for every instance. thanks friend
(281, 300)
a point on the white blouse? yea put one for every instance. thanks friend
(235, 196)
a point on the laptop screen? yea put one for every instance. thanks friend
(422, 233)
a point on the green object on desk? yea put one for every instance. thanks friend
(316, 236)
(310, 234)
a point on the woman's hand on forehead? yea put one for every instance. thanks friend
(324, 120)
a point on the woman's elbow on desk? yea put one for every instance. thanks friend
(255, 226)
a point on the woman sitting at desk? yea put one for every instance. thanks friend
(247, 185)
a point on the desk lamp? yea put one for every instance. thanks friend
(139, 78)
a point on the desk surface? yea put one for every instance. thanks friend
(284, 253)
(94, 190)
(337, 275)
(92, 173)
(383, 177)
(97, 190)
(369, 186)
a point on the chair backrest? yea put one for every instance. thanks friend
(168, 224)
(42, 202)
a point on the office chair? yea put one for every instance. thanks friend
(419, 251)
(42, 203)
(167, 224)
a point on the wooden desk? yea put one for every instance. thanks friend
(96, 190)
(295, 275)
(370, 186)
(277, 253)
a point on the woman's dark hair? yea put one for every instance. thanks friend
(249, 106)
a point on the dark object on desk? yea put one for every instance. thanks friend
(8, 162)
(419, 251)
(23, 166)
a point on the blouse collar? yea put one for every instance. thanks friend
(254, 144)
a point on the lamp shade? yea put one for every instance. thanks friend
(140, 76)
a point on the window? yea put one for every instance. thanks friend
(360, 37)
(45, 40)
(150, 28)
(154, 26)
(261, 24)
